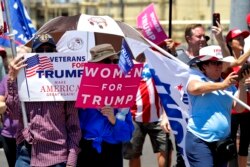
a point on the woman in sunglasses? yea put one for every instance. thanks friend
(209, 120)
(104, 129)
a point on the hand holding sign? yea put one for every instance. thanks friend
(105, 84)
(108, 111)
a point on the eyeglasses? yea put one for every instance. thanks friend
(215, 63)
(110, 61)
(44, 50)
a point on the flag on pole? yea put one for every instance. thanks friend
(125, 60)
(170, 79)
(21, 24)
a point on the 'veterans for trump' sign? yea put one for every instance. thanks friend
(105, 84)
(51, 76)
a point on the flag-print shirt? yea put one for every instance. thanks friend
(53, 129)
(147, 107)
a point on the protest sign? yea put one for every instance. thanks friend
(51, 76)
(105, 84)
(150, 26)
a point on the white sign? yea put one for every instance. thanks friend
(51, 76)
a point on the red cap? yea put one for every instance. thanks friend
(235, 33)
(248, 18)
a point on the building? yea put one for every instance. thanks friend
(183, 12)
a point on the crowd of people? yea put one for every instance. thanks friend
(60, 135)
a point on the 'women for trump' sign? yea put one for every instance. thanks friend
(105, 84)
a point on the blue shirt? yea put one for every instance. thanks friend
(97, 127)
(210, 117)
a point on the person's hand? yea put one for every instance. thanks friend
(246, 78)
(171, 45)
(69, 166)
(165, 126)
(15, 65)
(109, 113)
(3, 107)
(165, 123)
(230, 80)
(217, 31)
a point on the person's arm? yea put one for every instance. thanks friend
(3, 106)
(196, 87)
(241, 60)
(217, 31)
(242, 93)
(165, 123)
(15, 65)
(123, 127)
(73, 133)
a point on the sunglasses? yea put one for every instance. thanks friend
(215, 63)
(110, 61)
(44, 50)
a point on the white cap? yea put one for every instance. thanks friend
(213, 53)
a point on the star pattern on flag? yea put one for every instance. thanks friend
(179, 87)
(146, 75)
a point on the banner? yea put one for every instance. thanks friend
(105, 84)
(22, 26)
(51, 76)
(126, 58)
(150, 26)
(170, 79)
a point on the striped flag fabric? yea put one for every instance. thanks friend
(45, 63)
(148, 107)
(37, 63)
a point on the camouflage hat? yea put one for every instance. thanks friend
(102, 51)
(41, 39)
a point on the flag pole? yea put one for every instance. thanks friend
(13, 49)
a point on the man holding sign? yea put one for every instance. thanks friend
(53, 132)
(104, 128)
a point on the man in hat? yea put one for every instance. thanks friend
(104, 129)
(209, 120)
(53, 132)
(43, 43)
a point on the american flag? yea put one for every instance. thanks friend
(37, 63)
